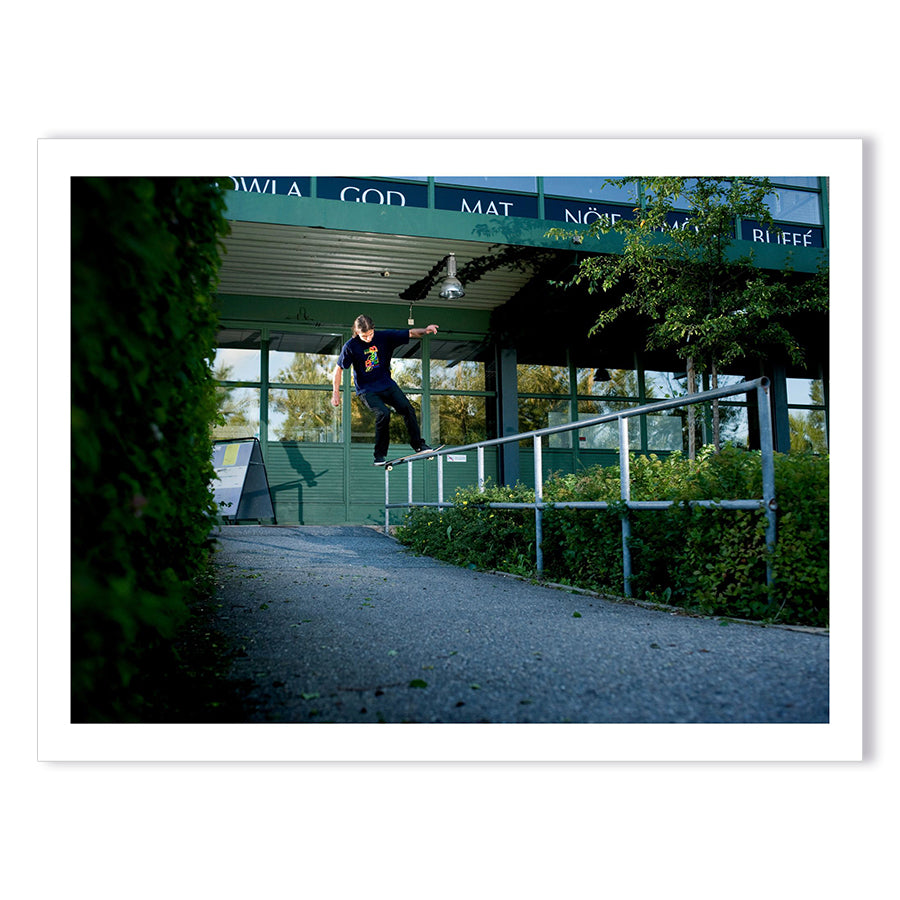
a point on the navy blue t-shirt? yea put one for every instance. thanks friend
(372, 362)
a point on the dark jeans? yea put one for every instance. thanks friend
(378, 402)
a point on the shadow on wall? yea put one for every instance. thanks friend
(307, 478)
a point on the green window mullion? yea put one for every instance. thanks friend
(264, 393)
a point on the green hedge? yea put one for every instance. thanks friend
(711, 561)
(145, 258)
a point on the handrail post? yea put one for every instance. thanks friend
(440, 464)
(625, 494)
(387, 500)
(767, 453)
(480, 468)
(538, 501)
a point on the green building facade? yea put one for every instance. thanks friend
(307, 255)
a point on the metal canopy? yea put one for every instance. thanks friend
(302, 262)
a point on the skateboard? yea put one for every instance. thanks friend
(422, 454)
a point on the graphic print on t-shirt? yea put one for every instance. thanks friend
(371, 357)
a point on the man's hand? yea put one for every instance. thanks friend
(335, 399)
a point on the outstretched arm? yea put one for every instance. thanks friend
(336, 379)
(421, 332)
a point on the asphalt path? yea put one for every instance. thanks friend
(344, 624)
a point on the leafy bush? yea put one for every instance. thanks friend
(145, 257)
(711, 560)
(470, 534)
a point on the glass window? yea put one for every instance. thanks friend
(505, 183)
(605, 436)
(544, 412)
(807, 424)
(794, 206)
(805, 392)
(240, 409)
(542, 379)
(666, 431)
(456, 369)
(238, 355)
(797, 181)
(407, 372)
(457, 366)
(303, 358)
(733, 425)
(808, 433)
(458, 420)
(607, 382)
(665, 385)
(303, 415)
(589, 188)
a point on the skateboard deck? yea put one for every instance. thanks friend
(422, 454)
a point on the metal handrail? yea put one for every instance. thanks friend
(766, 502)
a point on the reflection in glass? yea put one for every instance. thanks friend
(805, 392)
(544, 412)
(665, 432)
(503, 183)
(808, 426)
(606, 435)
(543, 379)
(664, 385)
(455, 366)
(733, 425)
(407, 372)
(794, 206)
(303, 358)
(808, 433)
(458, 420)
(796, 180)
(607, 382)
(237, 355)
(304, 415)
(592, 188)
(240, 409)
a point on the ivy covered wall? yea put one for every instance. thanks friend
(145, 258)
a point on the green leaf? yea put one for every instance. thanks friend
(418, 683)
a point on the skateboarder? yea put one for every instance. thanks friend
(369, 352)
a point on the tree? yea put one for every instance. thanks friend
(678, 269)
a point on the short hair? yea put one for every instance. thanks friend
(363, 323)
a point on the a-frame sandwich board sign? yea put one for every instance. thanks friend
(241, 486)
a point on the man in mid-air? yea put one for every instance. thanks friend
(369, 353)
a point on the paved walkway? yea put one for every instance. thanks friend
(343, 624)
